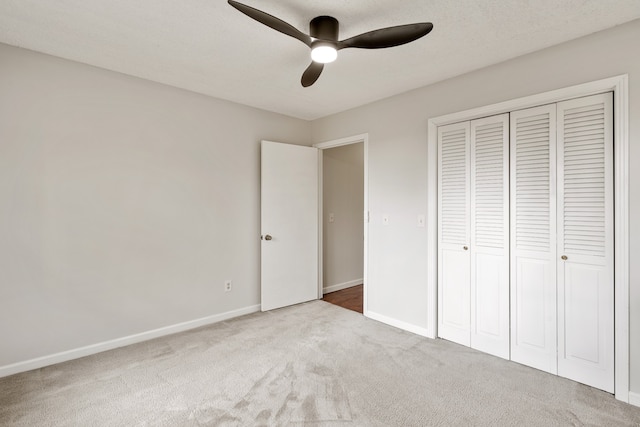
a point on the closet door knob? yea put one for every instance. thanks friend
(465, 248)
(564, 257)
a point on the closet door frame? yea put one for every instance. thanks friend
(619, 85)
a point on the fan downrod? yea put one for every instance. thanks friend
(324, 28)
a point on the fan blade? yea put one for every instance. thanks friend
(271, 21)
(388, 37)
(311, 74)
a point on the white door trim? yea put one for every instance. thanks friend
(619, 85)
(355, 139)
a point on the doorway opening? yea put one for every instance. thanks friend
(343, 225)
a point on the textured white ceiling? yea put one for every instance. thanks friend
(209, 47)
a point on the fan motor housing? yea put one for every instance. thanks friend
(324, 28)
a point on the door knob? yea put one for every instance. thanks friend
(564, 257)
(268, 237)
(465, 248)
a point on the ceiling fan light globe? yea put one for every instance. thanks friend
(324, 54)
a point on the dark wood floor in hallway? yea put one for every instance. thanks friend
(350, 298)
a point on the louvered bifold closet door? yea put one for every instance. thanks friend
(489, 246)
(585, 241)
(533, 234)
(453, 233)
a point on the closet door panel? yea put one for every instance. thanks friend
(533, 233)
(489, 248)
(454, 294)
(531, 310)
(490, 311)
(585, 241)
(453, 233)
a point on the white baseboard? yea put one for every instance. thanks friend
(398, 324)
(64, 356)
(341, 286)
(634, 398)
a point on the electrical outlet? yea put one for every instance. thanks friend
(227, 285)
(385, 219)
(421, 220)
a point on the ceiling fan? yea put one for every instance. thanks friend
(323, 37)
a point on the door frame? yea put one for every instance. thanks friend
(355, 139)
(619, 85)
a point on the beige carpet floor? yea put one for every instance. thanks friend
(312, 364)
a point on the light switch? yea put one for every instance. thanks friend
(332, 217)
(420, 220)
(385, 219)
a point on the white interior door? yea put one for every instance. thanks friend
(289, 223)
(489, 247)
(454, 275)
(533, 234)
(585, 241)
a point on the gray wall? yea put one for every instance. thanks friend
(343, 195)
(397, 130)
(124, 204)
